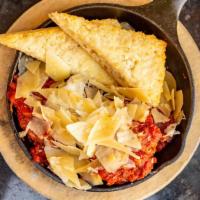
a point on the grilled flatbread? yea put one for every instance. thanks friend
(36, 43)
(133, 58)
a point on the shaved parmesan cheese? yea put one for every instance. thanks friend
(54, 102)
(170, 131)
(85, 107)
(180, 117)
(105, 128)
(77, 84)
(96, 115)
(42, 75)
(158, 116)
(33, 66)
(141, 113)
(166, 91)
(64, 168)
(79, 131)
(63, 165)
(178, 103)
(101, 86)
(165, 108)
(128, 138)
(86, 166)
(119, 103)
(38, 126)
(98, 99)
(115, 145)
(72, 150)
(56, 68)
(82, 167)
(61, 135)
(173, 99)
(53, 152)
(163, 100)
(84, 185)
(48, 114)
(111, 159)
(132, 93)
(110, 107)
(92, 178)
(27, 83)
(171, 82)
(132, 109)
(32, 102)
(90, 149)
(79, 164)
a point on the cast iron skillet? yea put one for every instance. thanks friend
(159, 18)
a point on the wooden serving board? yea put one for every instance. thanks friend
(25, 169)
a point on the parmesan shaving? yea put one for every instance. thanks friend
(128, 138)
(76, 84)
(132, 109)
(173, 99)
(61, 135)
(111, 159)
(171, 82)
(178, 103)
(92, 178)
(56, 68)
(72, 150)
(142, 112)
(166, 91)
(79, 131)
(115, 145)
(158, 116)
(165, 108)
(119, 103)
(33, 66)
(132, 93)
(38, 126)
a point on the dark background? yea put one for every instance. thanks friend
(185, 187)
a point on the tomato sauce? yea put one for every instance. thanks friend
(24, 115)
(149, 135)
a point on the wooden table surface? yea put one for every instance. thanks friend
(185, 186)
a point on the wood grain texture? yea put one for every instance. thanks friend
(25, 169)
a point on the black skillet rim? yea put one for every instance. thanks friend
(126, 185)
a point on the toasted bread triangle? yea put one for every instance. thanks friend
(133, 58)
(32, 43)
(36, 42)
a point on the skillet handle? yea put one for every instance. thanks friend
(165, 14)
